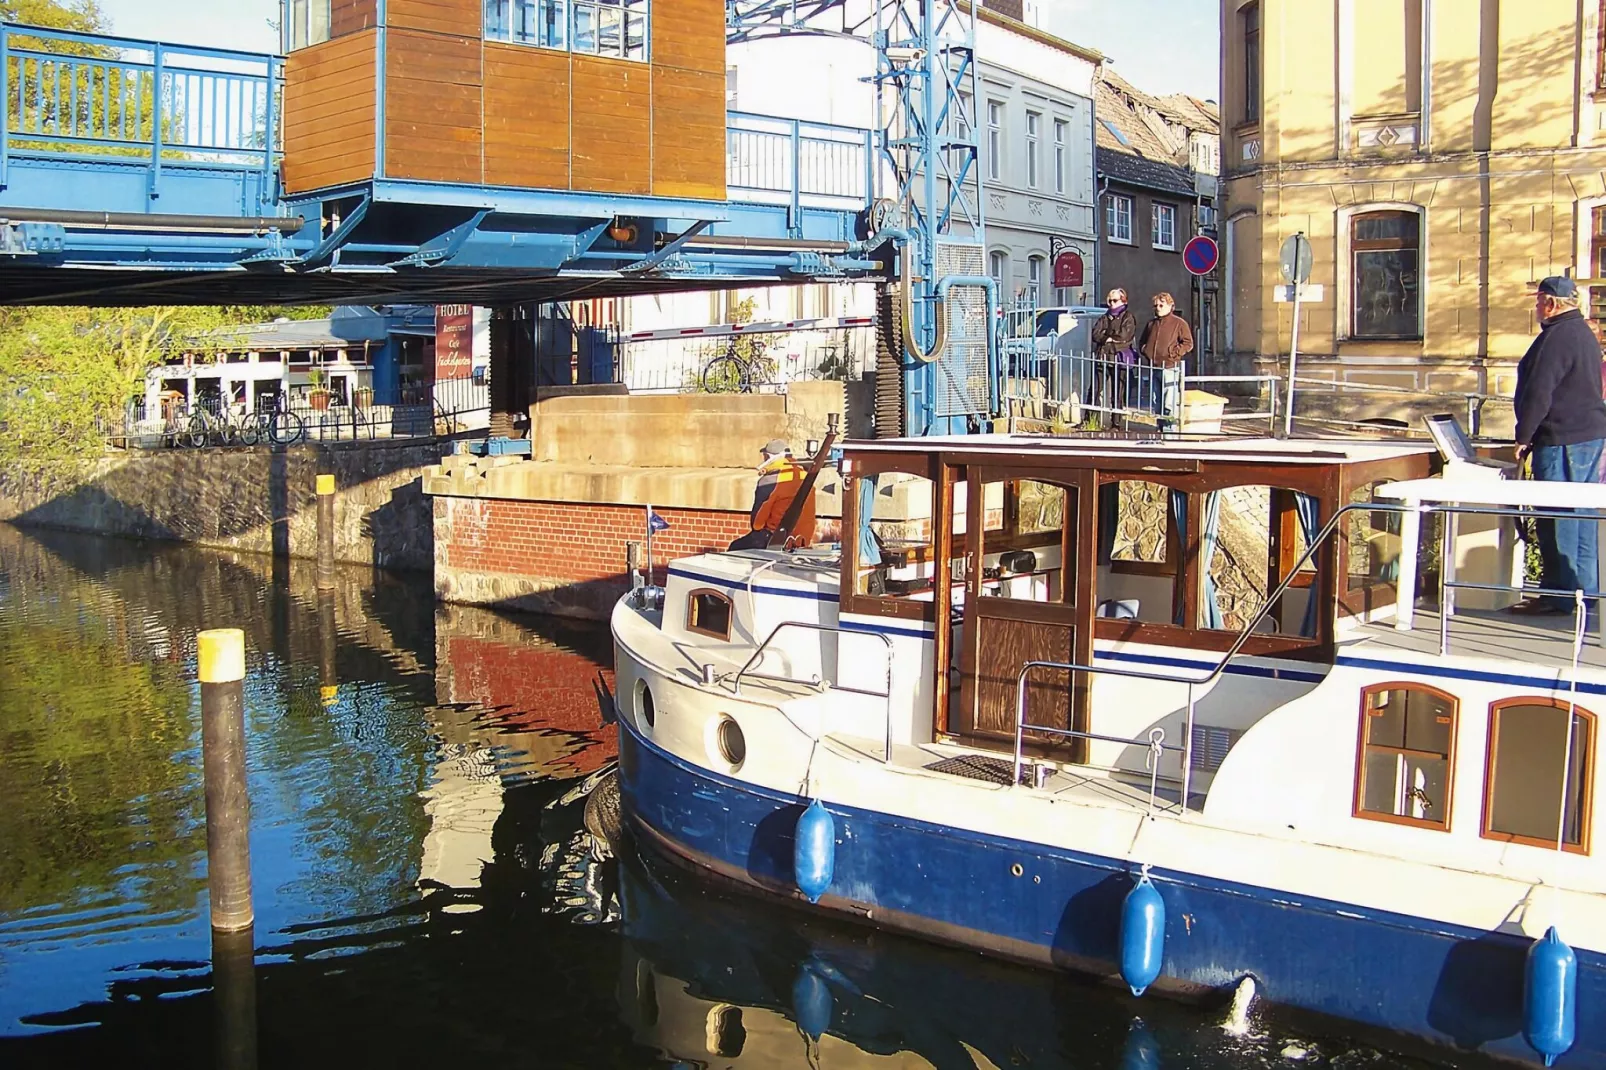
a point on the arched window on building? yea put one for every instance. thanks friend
(1385, 290)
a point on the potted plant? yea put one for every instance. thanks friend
(318, 396)
(363, 397)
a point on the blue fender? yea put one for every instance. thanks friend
(1550, 997)
(814, 851)
(1142, 936)
(812, 1004)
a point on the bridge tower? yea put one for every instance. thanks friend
(937, 371)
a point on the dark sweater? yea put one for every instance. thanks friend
(1558, 400)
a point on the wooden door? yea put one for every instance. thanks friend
(1028, 598)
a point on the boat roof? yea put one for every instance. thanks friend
(1229, 450)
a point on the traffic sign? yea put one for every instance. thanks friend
(1297, 259)
(1200, 256)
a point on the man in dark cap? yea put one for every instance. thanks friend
(1561, 424)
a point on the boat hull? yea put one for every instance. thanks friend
(1048, 906)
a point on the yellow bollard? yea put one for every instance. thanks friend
(228, 803)
(326, 533)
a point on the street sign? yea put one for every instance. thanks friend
(1068, 269)
(1200, 256)
(1297, 259)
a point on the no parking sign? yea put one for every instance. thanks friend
(1200, 256)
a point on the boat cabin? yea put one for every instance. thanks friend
(1050, 548)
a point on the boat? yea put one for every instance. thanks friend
(1197, 710)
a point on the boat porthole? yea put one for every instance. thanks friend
(730, 742)
(1016, 870)
(644, 704)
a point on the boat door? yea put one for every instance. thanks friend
(1028, 598)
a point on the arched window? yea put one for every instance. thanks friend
(1523, 781)
(1406, 767)
(1385, 275)
(708, 613)
(1034, 290)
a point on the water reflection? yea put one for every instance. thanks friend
(425, 891)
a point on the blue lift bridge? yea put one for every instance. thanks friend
(140, 172)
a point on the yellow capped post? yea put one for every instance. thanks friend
(221, 654)
(326, 484)
(326, 532)
(220, 665)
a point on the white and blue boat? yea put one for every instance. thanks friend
(1195, 711)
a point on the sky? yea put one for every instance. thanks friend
(1161, 46)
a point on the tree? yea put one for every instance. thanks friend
(84, 16)
(66, 373)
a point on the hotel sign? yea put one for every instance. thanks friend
(454, 342)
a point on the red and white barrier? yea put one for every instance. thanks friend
(726, 330)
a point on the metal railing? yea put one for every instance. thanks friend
(1446, 606)
(1044, 383)
(687, 365)
(773, 159)
(116, 97)
(747, 670)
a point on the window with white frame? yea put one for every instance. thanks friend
(1034, 276)
(997, 266)
(1118, 219)
(308, 25)
(1034, 123)
(1164, 219)
(614, 28)
(1062, 137)
(1385, 295)
(995, 139)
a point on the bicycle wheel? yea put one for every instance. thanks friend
(250, 432)
(197, 433)
(725, 374)
(286, 429)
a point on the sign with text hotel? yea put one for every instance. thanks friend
(454, 342)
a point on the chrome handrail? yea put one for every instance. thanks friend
(1243, 637)
(736, 684)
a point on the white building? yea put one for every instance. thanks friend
(1035, 130)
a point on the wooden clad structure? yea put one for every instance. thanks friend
(460, 109)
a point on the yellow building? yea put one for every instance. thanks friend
(1441, 155)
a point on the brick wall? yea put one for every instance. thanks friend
(559, 557)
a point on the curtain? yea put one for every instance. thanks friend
(869, 552)
(1179, 517)
(1207, 555)
(1310, 516)
(1108, 517)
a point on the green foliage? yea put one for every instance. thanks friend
(83, 16)
(97, 774)
(67, 373)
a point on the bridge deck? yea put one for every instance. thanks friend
(136, 172)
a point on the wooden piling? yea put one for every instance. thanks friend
(228, 805)
(326, 533)
(328, 681)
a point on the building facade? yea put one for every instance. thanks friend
(1034, 122)
(1158, 161)
(1440, 157)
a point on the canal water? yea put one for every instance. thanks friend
(425, 894)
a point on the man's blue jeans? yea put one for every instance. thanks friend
(1567, 548)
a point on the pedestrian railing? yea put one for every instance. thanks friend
(770, 159)
(1044, 380)
(96, 95)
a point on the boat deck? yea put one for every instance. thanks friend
(1545, 642)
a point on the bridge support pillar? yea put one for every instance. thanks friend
(512, 370)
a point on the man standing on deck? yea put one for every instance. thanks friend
(780, 479)
(1561, 424)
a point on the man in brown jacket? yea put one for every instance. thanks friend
(1166, 341)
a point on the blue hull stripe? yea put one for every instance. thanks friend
(1475, 675)
(1445, 982)
(758, 588)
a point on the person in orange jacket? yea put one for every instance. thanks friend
(780, 479)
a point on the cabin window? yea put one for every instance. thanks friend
(1025, 562)
(1251, 539)
(308, 25)
(1139, 525)
(1374, 541)
(709, 613)
(1407, 762)
(1527, 797)
(901, 563)
(616, 28)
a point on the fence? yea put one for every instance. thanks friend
(773, 160)
(445, 408)
(109, 96)
(680, 366)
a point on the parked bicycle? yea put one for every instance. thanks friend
(275, 425)
(733, 373)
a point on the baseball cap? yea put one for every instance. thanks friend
(775, 447)
(1559, 286)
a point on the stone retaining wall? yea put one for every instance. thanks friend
(259, 499)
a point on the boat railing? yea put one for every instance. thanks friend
(748, 670)
(1447, 587)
